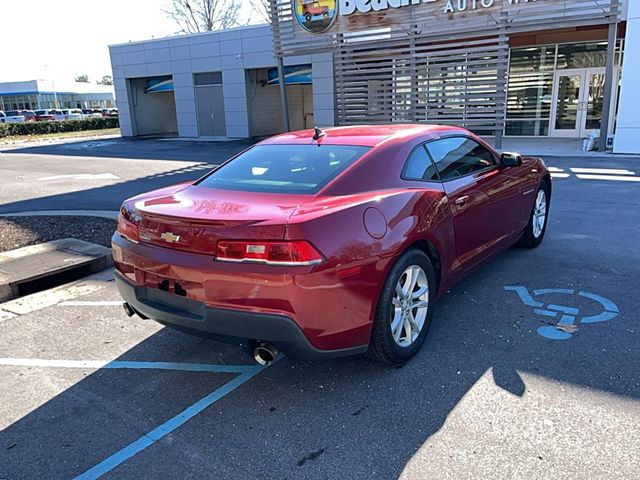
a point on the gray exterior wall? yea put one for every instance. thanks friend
(231, 52)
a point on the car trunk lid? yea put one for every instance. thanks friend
(195, 218)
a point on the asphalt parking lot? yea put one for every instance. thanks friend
(87, 392)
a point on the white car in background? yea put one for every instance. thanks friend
(11, 119)
(91, 113)
(72, 114)
(58, 115)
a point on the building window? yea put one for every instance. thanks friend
(207, 78)
(582, 55)
(530, 90)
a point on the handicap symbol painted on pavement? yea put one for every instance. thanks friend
(567, 325)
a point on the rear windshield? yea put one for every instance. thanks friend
(284, 168)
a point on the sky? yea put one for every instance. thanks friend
(61, 39)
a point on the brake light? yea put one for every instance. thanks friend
(297, 252)
(127, 228)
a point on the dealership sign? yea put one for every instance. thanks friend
(347, 7)
(317, 16)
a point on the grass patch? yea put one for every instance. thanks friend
(53, 136)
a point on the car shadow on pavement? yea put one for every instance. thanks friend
(345, 418)
(111, 196)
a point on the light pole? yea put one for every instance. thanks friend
(53, 85)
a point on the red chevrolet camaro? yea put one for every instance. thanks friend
(327, 243)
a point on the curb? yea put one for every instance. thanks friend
(39, 267)
(111, 214)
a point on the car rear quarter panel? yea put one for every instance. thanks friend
(359, 262)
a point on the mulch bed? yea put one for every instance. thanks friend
(16, 232)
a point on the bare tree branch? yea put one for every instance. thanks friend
(193, 16)
(262, 9)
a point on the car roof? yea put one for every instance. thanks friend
(362, 135)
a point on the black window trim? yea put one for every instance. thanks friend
(406, 164)
(495, 165)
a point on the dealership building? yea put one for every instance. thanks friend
(37, 94)
(502, 68)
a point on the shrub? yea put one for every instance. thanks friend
(38, 128)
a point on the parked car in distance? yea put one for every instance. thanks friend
(72, 113)
(28, 115)
(91, 113)
(327, 243)
(44, 115)
(4, 118)
(109, 112)
(58, 115)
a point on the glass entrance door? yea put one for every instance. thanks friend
(593, 102)
(577, 102)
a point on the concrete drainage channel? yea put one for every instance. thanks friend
(36, 268)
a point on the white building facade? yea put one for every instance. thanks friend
(221, 86)
(37, 94)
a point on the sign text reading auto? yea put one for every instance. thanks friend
(347, 7)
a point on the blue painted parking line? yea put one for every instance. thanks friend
(97, 364)
(244, 374)
(169, 426)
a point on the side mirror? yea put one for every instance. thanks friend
(510, 159)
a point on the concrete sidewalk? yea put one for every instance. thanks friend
(550, 147)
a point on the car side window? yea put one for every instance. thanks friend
(419, 166)
(459, 156)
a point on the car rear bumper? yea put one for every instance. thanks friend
(223, 324)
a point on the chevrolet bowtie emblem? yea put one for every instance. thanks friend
(170, 237)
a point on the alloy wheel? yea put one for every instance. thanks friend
(539, 213)
(410, 305)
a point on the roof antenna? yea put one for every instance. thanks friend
(318, 133)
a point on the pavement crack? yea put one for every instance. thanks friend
(311, 456)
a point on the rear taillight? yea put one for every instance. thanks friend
(272, 253)
(127, 227)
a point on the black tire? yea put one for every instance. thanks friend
(382, 346)
(528, 239)
(308, 17)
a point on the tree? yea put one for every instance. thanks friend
(262, 9)
(84, 78)
(193, 16)
(106, 80)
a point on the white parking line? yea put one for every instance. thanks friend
(4, 315)
(82, 176)
(606, 171)
(615, 178)
(115, 303)
(54, 296)
(117, 365)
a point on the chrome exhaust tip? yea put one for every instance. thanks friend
(265, 353)
(128, 309)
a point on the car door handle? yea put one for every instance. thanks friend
(461, 200)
